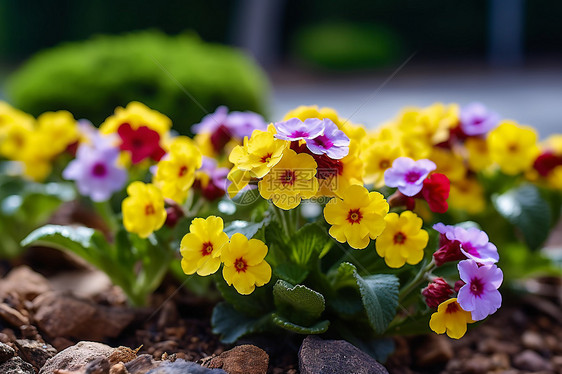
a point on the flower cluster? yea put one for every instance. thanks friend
(206, 246)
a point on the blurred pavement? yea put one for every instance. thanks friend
(530, 96)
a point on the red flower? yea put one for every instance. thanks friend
(546, 162)
(220, 138)
(450, 250)
(141, 143)
(435, 191)
(437, 292)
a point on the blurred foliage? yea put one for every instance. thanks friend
(92, 78)
(345, 46)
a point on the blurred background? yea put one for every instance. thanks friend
(365, 58)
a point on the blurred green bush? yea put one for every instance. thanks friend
(346, 46)
(92, 77)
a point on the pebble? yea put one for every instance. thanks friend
(34, 352)
(436, 349)
(16, 365)
(532, 340)
(243, 359)
(531, 361)
(76, 357)
(335, 356)
(6, 353)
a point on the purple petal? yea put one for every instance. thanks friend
(211, 121)
(466, 299)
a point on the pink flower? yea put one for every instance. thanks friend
(408, 175)
(480, 294)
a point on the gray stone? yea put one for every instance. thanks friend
(185, 367)
(531, 361)
(76, 357)
(6, 352)
(317, 356)
(16, 365)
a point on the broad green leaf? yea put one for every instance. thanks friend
(290, 272)
(379, 294)
(317, 328)
(309, 243)
(257, 303)
(248, 229)
(299, 303)
(231, 325)
(524, 208)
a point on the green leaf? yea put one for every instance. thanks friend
(379, 294)
(248, 229)
(231, 325)
(290, 272)
(309, 243)
(524, 208)
(317, 328)
(257, 303)
(299, 303)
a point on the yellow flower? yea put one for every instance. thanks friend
(513, 147)
(58, 130)
(201, 247)
(239, 179)
(11, 116)
(244, 264)
(467, 195)
(432, 123)
(478, 154)
(356, 218)
(259, 153)
(14, 138)
(448, 163)
(450, 318)
(554, 178)
(136, 115)
(143, 210)
(291, 180)
(176, 172)
(335, 176)
(403, 239)
(377, 158)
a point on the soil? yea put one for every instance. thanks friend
(520, 338)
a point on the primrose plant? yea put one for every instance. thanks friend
(313, 224)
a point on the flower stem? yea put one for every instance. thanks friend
(418, 279)
(281, 217)
(104, 210)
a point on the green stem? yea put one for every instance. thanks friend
(280, 214)
(418, 279)
(104, 210)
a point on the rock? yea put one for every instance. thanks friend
(531, 361)
(12, 316)
(87, 284)
(6, 352)
(477, 364)
(16, 365)
(533, 340)
(65, 315)
(122, 354)
(243, 359)
(76, 357)
(99, 365)
(24, 282)
(141, 365)
(317, 356)
(500, 361)
(436, 349)
(118, 369)
(34, 352)
(185, 367)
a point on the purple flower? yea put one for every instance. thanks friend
(408, 175)
(480, 294)
(217, 175)
(474, 244)
(333, 142)
(237, 124)
(242, 124)
(95, 172)
(295, 129)
(212, 121)
(476, 119)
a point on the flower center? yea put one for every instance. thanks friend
(399, 238)
(469, 248)
(384, 164)
(513, 147)
(354, 216)
(207, 249)
(266, 158)
(182, 171)
(300, 134)
(288, 177)
(240, 265)
(476, 286)
(149, 210)
(323, 141)
(99, 170)
(452, 308)
(412, 176)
